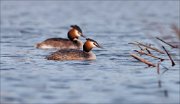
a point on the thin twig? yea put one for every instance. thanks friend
(142, 52)
(133, 43)
(148, 51)
(137, 45)
(153, 48)
(164, 70)
(143, 60)
(158, 69)
(169, 56)
(173, 46)
(140, 47)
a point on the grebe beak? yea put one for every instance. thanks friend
(97, 45)
(100, 46)
(83, 35)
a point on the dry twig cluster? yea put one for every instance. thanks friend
(148, 50)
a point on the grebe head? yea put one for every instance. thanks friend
(89, 44)
(75, 32)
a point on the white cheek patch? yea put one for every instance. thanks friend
(92, 44)
(78, 34)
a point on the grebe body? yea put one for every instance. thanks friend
(72, 42)
(73, 54)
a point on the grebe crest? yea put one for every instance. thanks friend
(61, 43)
(89, 44)
(75, 32)
(73, 54)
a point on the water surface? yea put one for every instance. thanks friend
(115, 77)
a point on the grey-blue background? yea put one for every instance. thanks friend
(115, 77)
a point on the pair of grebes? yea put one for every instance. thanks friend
(70, 49)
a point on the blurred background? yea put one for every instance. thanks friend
(114, 77)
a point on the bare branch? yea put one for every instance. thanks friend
(153, 48)
(142, 52)
(173, 46)
(137, 45)
(169, 56)
(148, 51)
(164, 70)
(158, 69)
(143, 60)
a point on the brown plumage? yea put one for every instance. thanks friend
(61, 43)
(73, 54)
(71, 35)
(89, 44)
(70, 54)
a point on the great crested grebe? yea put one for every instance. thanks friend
(61, 43)
(74, 54)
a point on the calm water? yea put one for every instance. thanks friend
(115, 77)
